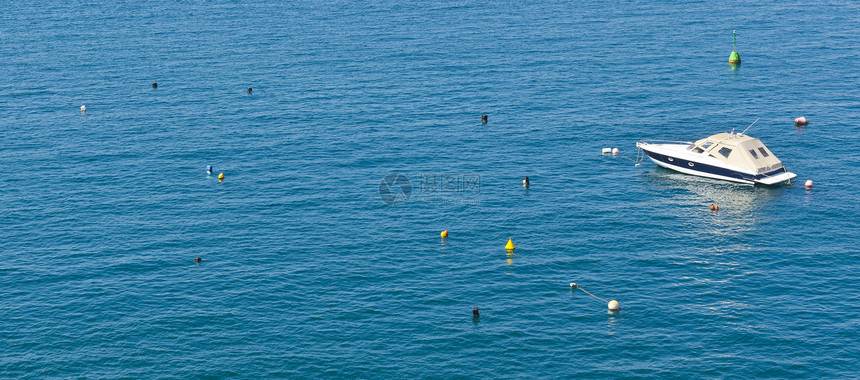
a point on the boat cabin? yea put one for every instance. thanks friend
(737, 150)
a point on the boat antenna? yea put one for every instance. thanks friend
(745, 130)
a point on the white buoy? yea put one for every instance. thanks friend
(573, 285)
(615, 151)
(83, 108)
(801, 121)
(606, 150)
(808, 184)
(613, 305)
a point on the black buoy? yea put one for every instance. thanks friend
(154, 85)
(197, 260)
(526, 182)
(250, 90)
(484, 119)
(475, 312)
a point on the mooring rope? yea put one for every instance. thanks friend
(613, 305)
(627, 158)
(586, 292)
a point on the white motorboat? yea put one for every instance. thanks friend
(726, 156)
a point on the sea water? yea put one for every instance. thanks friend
(314, 266)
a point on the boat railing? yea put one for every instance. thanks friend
(664, 141)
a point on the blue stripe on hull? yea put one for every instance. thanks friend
(710, 169)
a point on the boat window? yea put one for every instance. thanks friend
(763, 152)
(698, 150)
(725, 151)
(707, 145)
(753, 153)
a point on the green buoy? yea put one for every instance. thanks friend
(735, 58)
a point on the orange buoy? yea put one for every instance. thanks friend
(445, 233)
(714, 207)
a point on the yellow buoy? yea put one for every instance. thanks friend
(220, 176)
(613, 305)
(445, 233)
(510, 245)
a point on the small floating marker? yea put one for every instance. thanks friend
(606, 150)
(197, 260)
(154, 85)
(526, 182)
(484, 119)
(83, 108)
(250, 90)
(801, 121)
(208, 169)
(475, 312)
(714, 207)
(444, 234)
(614, 306)
(808, 184)
(510, 245)
(220, 177)
(615, 151)
(734, 58)
(573, 285)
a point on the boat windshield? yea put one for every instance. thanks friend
(694, 148)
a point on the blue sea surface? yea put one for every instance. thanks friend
(311, 269)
